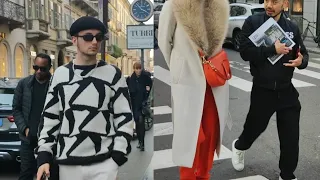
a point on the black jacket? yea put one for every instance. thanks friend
(137, 89)
(21, 105)
(265, 74)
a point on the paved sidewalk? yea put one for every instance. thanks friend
(138, 162)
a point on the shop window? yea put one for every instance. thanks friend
(19, 59)
(3, 61)
(297, 7)
(53, 57)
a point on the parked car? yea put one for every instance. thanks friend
(239, 12)
(9, 135)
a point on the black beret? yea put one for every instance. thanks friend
(85, 23)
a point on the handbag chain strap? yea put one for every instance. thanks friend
(205, 61)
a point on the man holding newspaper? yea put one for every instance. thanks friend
(273, 46)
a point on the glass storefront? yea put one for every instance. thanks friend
(53, 57)
(3, 60)
(19, 60)
(297, 7)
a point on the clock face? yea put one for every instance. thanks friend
(142, 9)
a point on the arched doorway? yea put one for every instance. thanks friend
(60, 58)
(33, 54)
(4, 65)
(19, 61)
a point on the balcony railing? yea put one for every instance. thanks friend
(38, 29)
(12, 11)
(64, 38)
(90, 8)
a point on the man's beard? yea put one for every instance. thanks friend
(87, 54)
(43, 77)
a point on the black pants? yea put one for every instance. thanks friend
(28, 167)
(140, 127)
(264, 103)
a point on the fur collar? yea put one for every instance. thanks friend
(205, 22)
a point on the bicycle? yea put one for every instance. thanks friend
(316, 39)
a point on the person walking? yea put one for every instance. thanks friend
(192, 31)
(28, 102)
(87, 112)
(272, 89)
(139, 86)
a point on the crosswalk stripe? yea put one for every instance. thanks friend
(163, 158)
(317, 59)
(297, 83)
(162, 74)
(309, 73)
(240, 83)
(314, 65)
(163, 129)
(161, 110)
(258, 177)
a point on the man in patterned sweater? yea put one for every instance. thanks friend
(87, 112)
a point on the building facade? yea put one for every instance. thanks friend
(12, 39)
(120, 17)
(47, 27)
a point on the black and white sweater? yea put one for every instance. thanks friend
(88, 118)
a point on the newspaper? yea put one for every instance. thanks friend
(267, 34)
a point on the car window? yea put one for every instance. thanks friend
(6, 97)
(237, 11)
(158, 8)
(257, 10)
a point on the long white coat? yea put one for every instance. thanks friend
(184, 26)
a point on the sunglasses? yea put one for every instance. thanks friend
(89, 37)
(42, 69)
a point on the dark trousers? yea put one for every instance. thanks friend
(28, 167)
(140, 127)
(264, 103)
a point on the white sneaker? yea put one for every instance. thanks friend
(237, 157)
(282, 179)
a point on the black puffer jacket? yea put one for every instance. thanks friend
(21, 105)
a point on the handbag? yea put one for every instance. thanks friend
(216, 69)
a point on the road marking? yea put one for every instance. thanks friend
(159, 110)
(314, 65)
(297, 83)
(163, 159)
(309, 73)
(240, 83)
(258, 177)
(163, 129)
(162, 74)
(317, 59)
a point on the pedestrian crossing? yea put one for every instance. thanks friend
(246, 84)
(241, 80)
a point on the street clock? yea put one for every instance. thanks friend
(141, 10)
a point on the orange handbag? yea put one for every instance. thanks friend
(216, 69)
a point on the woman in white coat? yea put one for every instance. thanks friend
(199, 111)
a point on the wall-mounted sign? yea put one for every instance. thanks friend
(140, 37)
(33, 53)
